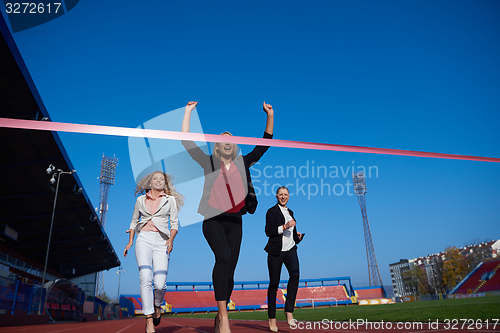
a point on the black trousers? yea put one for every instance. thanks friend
(274, 263)
(223, 234)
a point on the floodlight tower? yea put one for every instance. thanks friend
(107, 178)
(360, 189)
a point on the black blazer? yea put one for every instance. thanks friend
(211, 168)
(275, 218)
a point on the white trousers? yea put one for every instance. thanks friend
(152, 260)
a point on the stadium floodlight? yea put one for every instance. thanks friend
(106, 179)
(50, 169)
(359, 184)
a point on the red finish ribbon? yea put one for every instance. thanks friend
(171, 135)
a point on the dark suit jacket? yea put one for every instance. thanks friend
(275, 218)
(211, 168)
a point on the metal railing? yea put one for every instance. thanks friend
(17, 297)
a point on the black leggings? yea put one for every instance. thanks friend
(274, 263)
(223, 233)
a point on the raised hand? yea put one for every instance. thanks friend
(187, 116)
(268, 108)
(191, 106)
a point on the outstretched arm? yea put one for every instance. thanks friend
(187, 116)
(193, 150)
(268, 108)
(254, 156)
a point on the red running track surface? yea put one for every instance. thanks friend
(184, 325)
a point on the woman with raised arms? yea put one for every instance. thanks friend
(227, 195)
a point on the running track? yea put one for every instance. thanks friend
(183, 325)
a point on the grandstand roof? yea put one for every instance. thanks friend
(79, 245)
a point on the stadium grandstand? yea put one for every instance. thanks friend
(249, 295)
(370, 293)
(79, 246)
(485, 277)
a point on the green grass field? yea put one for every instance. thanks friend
(479, 308)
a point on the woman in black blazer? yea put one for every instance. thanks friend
(282, 249)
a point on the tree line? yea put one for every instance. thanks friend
(442, 272)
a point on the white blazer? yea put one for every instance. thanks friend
(167, 207)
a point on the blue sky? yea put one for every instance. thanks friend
(390, 74)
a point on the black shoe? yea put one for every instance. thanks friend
(156, 321)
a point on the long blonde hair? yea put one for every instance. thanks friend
(144, 185)
(235, 148)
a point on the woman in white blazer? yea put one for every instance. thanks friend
(158, 204)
